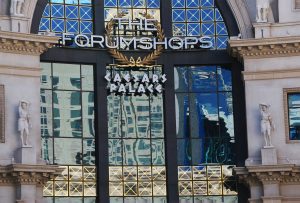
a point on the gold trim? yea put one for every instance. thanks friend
(286, 91)
(122, 59)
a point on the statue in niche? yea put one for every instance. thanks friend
(266, 124)
(24, 122)
(263, 8)
(17, 7)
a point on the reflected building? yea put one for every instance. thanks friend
(189, 140)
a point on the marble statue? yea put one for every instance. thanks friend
(263, 8)
(266, 124)
(17, 7)
(24, 122)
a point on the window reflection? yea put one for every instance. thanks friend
(136, 144)
(293, 115)
(205, 133)
(67, 130)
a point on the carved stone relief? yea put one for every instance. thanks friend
(17, 7)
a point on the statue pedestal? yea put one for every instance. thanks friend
(268, 156)
(25, 155)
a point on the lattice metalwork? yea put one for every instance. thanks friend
(68, 16)
(199, 18)
(206, 180)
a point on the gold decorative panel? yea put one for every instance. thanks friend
(206, 180)
(143, 181)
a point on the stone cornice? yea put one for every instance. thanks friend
(264, 48)
(28, 174)
(270, 174)
(27, 44)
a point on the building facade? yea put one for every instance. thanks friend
(149, 101)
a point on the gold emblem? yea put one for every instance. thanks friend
(122, 58)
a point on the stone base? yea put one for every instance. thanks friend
(276, 199)
(25, 155)
(268, 156)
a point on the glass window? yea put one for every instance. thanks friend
(137, 171)
(292, 112)
(67, 16)
(67, 130)
(205, 133)
(199, 18)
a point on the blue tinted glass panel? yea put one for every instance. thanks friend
(86, 13)
(110, 3)
(153, 3)
(293, 100)
(57, 11)
(178, 3)
(203, 78)
(58, 25)
(71, 12)
(222, 42)
(72, 26)
(178, 15)
(208, 28)
(193, 15)
(44, 24)
(47, 11)
(125, 3)
(86, 27)
(207, 3)
(71, 16)
(193, 29)
(192, 3)
(187, 13)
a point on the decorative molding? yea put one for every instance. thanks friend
(2, 114)
(240, 12)
(269, 75)
(269, 174)
(20, 71)
(264, 48)
(26, 44)
(287, 91)
(28, 174)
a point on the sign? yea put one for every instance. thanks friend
(135, 43)
(146, 28)
(135, 85)
(141, 42)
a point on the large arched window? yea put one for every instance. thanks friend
(179, 146)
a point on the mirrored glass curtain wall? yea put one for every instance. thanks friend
(175, 147)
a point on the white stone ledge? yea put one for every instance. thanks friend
(20, 71)
(270, 75)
